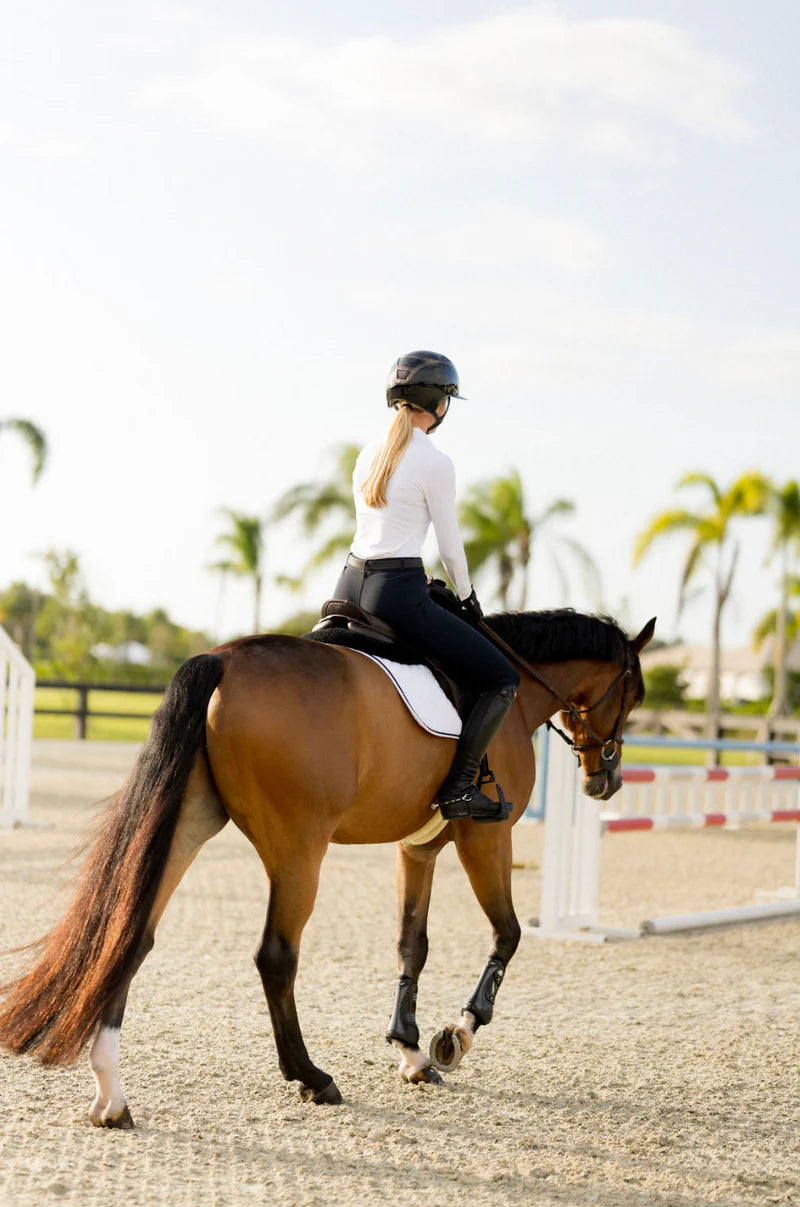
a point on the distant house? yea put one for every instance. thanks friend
(742, 674)
(132, 652)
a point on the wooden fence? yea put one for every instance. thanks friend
(685, 724)
(677, 722)
(81, 712)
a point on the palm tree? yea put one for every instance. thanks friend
(500, 530)
(711, 544)
(35, 439)
(244, 542)
(768, 626)
(318, 504)
(784, 503)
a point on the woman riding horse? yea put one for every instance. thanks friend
(287, 738)
(401, 485)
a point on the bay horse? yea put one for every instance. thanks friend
(302, 744)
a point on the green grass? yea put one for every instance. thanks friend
(144, 704)
(691, 758)
(101, 729)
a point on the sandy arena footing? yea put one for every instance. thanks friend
(661, 1072)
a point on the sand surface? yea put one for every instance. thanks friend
(664, 1071)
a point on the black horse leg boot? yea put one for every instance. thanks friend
(459, 795)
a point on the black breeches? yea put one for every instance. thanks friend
(400, 597)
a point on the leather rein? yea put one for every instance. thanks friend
(610, 748)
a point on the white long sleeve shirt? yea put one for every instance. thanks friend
(421, 491)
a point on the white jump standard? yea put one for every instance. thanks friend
(654, 799)
(17, 680)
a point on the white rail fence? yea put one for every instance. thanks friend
(17, 681)
(653, 799)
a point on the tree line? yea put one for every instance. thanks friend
(502, 534)
(67, 636)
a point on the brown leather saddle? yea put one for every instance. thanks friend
(341, 614)
(345, 623)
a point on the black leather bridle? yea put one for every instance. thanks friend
(611, 747)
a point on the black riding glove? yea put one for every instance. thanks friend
(471, 610)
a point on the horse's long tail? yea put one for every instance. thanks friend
(52, 1010)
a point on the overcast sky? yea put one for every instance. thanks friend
(222, 222)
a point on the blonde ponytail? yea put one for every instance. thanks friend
(387, 458)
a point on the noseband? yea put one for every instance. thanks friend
(610, 748)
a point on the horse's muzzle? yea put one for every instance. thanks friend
(603, 784)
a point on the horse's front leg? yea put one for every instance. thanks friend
(414, 879)
(486, 858)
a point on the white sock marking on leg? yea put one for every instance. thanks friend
(104, 1063)
(413, 1059)
(468, 1021)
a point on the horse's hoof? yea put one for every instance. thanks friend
(448, 1046)
(426, 1076)
(328, 1096)
(122, 1121)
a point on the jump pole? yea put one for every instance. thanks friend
(721, 917)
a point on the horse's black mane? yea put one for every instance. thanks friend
(560, 634)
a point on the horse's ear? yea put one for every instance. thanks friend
(638, 643)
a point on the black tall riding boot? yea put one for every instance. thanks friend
(459, 795)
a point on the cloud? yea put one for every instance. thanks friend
(39, 145)
(619, 89)
(523, 325)
(506, 237)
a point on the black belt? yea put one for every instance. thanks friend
(384, 563)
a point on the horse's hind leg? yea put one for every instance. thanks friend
(293, 890)
(109, 1108)
(415, 866)
(201, 817)
(486, 858)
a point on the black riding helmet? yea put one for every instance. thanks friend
(423, 379)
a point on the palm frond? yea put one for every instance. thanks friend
(676, 520)
(751, 494)
(480, 552)
(693, 559)
(786, 512)
(35, 439)
(697, 478)
(244, 539)
(335, 545)
(289, 582)
(315, 500)
(765, 628)
(223, 567)
(346, 457)
(292, 500)
(558, 507)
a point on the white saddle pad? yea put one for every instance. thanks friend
(422, 696)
